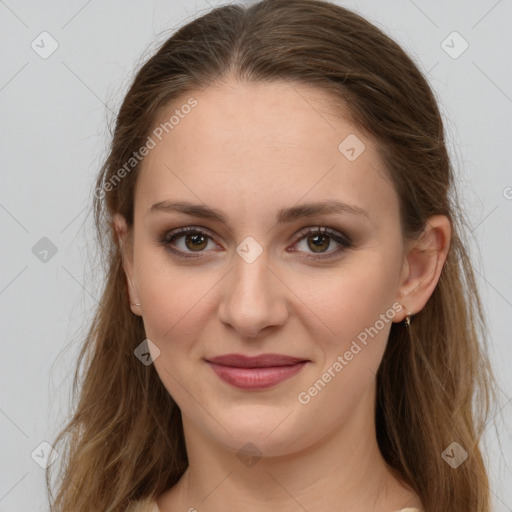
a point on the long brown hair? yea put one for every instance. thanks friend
(435, 386)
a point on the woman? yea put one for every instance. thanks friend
(321, 349)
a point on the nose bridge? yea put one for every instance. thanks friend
(251, 298)
(250, 277)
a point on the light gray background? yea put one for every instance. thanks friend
(54, 115)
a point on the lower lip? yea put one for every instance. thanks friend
(256, 378)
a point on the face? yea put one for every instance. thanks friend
(322, 288)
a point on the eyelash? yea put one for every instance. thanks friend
(168, 238)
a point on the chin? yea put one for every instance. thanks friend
(260, 438)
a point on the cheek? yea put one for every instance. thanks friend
(351, 298)
(175, 304)
(171, 295)
(334, 311)
(344, 300)
(357, 308)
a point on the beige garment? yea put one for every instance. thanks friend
(149, 505)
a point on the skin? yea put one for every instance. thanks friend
(250, 150)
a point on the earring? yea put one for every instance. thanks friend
(407, 320)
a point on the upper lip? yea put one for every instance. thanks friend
(263, 360)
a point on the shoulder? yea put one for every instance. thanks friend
(145, 505)
(149, 505)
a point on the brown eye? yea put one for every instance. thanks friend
(317, 243)
(194, 241)
(318, 240)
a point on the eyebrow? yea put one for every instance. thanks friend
(286, 215)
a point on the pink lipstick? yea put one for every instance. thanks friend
(257, 372)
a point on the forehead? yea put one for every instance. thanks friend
(261, 146)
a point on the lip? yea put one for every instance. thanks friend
(263, 360)
(256, 372)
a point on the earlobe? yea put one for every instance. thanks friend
(122, 234)
(423, 264)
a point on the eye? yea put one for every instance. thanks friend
(195, 240)
(320, 238)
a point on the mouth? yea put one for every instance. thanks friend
(259, 372)
(261, 361)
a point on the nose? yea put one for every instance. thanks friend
(254, 297)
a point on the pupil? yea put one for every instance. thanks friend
(316, 238)
(196, 238)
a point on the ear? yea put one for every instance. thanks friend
(125, 241)
(423, 261)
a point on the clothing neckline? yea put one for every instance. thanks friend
(409, 509)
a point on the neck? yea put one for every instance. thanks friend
(344, 471)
